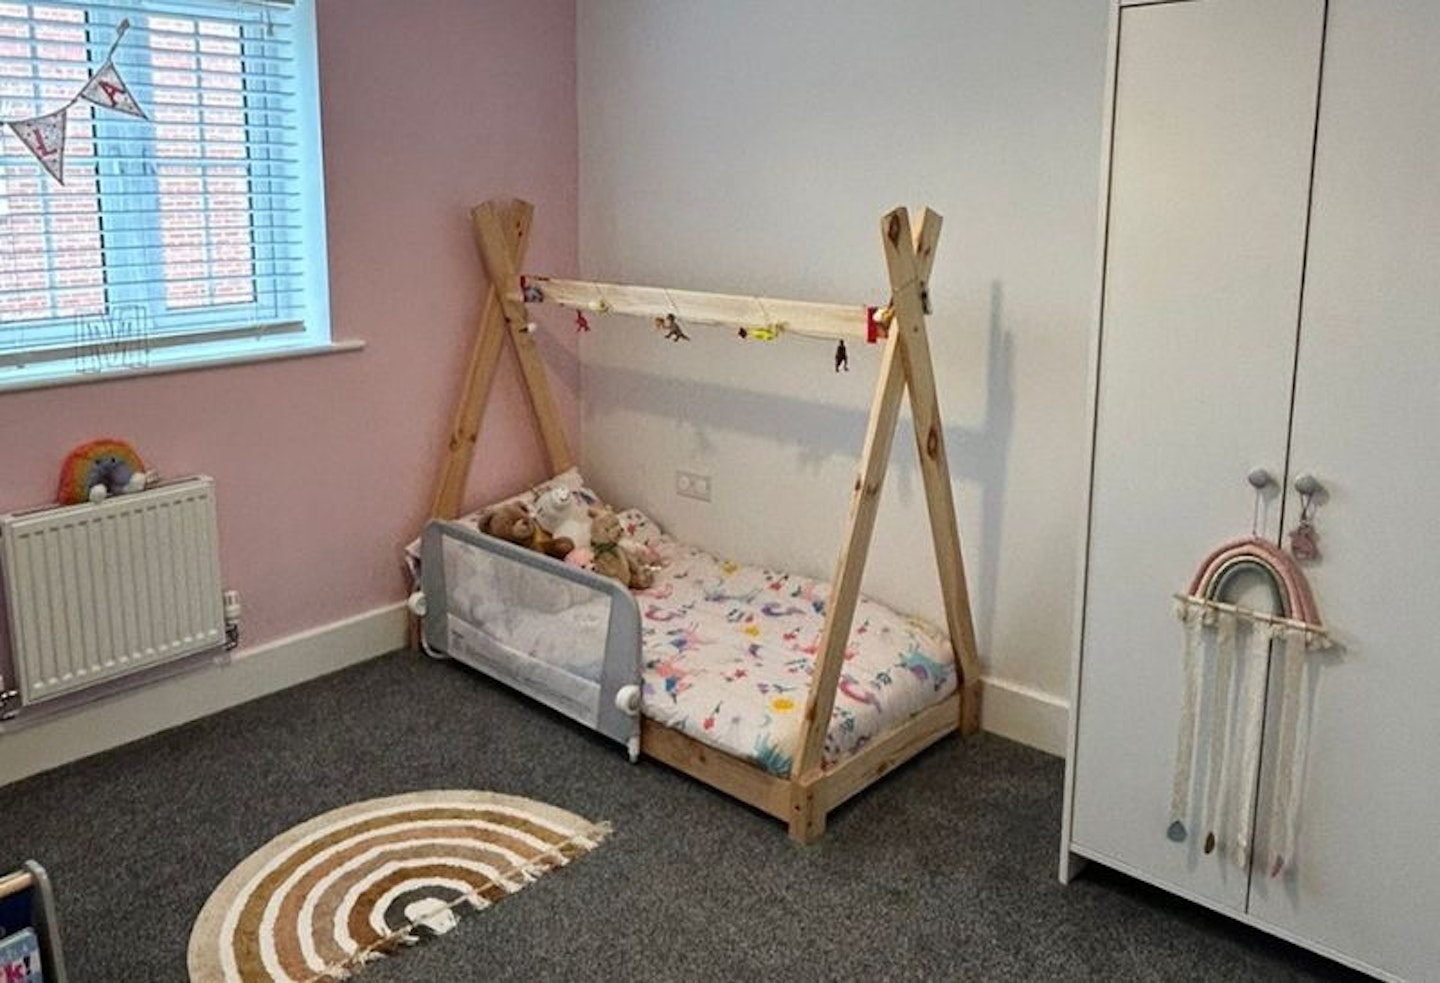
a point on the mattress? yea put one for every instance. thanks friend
(728, 651)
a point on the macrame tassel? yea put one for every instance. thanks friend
(1284, 801)
(1189, 717)
(1252, 710)
(1219, 777)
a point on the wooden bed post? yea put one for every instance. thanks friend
(909, 264)
(807, 822)
(503, 267)
(905, 365)
(503, 235)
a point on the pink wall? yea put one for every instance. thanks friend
(325, 466)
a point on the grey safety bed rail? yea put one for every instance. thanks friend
(564, 636)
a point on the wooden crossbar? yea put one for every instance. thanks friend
(836, 322)
(812, 789)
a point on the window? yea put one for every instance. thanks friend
(194, 235)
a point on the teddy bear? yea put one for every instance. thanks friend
(561, 518)
(509, 521)
(610, 558)
(512, 522)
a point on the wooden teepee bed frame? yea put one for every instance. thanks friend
(502, 230)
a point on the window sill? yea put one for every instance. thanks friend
(183, 365)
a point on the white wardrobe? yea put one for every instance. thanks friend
(1271, 300)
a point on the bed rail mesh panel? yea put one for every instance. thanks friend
(563, 636)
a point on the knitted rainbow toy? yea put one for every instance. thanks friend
(98, 469)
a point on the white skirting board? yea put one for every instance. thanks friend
(146, 710)
(1012, 710)
(1031, 716)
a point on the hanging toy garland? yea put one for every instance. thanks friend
(669, 326)
(44, 136)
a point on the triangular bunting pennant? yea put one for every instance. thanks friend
(108, 90)
(44, 136)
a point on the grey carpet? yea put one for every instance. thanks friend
(944, 871)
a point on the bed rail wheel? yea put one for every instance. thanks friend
(416, 604)
(627, 700)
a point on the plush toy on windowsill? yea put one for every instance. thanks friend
(92, 472)
(610, 558)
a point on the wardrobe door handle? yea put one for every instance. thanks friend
(1260, 479)
(1308, 484)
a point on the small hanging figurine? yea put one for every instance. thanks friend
(761, 332)
(669, 325)
(1304, 540)
(842, 357)
(581, 324)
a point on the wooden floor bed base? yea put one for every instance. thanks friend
(803, 805)
(803, 800)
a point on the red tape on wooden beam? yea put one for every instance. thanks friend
(875, 329)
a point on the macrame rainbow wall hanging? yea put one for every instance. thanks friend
(1235, 719)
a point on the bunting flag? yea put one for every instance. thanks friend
(107, 89)
(44, 136)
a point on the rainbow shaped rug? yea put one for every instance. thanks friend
(321, 900)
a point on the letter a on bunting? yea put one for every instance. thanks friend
(106, 88)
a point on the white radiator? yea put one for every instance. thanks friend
(99, 591)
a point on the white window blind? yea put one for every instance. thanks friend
(194, 234)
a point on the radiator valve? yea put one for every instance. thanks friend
(232, 619)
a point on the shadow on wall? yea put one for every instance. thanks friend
(978, 454)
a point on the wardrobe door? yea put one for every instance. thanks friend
(1364, 878)
(1212, 136)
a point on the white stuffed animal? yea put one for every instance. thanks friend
(560, 513)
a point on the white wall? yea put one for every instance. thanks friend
(751, 146)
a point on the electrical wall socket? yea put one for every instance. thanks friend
(689, 484)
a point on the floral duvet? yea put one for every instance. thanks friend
(728, 651)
